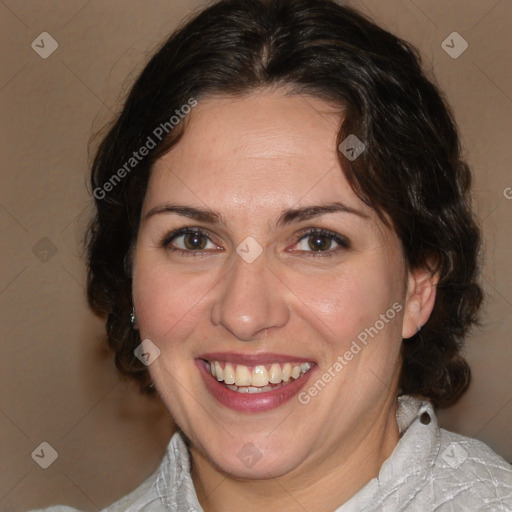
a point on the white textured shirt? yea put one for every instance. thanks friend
(429, 470)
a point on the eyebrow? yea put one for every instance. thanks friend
(287, 217)
(200, 214)
(309, 212)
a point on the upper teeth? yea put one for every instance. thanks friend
(259, 376)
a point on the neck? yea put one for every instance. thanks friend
(317, 485)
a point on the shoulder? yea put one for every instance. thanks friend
(469, 467)
(56, 508)
(125, 504)
(153, 493)
(434, 469)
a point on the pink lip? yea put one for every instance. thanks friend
(251, 402)
(252, 359)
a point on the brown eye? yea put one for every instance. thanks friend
(322, 241)
(194, 241)
(319, 242)
(188, 240)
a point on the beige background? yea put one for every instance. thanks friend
(58, 383)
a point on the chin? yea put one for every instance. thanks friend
(253, 456)
(253, 462)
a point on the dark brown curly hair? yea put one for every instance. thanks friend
(411, 172)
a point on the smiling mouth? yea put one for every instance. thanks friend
(256, 379)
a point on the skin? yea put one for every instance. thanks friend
(249, 159)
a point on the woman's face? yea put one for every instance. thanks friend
(278, 269)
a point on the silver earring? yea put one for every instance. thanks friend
(419, 328)
(133, 318)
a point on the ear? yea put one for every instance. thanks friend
(419, 301)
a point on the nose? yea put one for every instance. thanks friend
(250, 301)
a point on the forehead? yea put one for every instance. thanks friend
(264, 149)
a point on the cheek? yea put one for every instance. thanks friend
(348, 301)
(169, 304)
(348, 295)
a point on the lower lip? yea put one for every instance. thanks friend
(251, 402)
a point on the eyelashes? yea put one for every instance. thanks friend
(316, 239)
(194, 241)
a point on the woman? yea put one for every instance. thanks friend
(285, 251)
